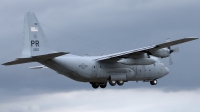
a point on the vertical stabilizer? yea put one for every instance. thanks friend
(35, 46)
(35, 42)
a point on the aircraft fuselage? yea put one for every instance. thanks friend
(85, 69)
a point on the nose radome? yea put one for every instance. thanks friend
(166, 70)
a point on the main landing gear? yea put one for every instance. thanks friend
(153, 82)
(95, 85)
(120, 83)
(113, 83)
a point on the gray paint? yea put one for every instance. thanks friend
(136, 23)
(97, 70)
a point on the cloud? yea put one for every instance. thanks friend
(106, 100)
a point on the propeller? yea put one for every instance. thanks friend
(171, 50)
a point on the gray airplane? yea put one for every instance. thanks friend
(134, 65)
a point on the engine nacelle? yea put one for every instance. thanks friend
(162, 53)
(139, 61)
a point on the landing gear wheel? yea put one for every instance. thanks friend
(120, 83)
(95, 85)
(103, 86)
(112, 83)
(153, 82)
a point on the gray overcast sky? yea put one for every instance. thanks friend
(97, 27)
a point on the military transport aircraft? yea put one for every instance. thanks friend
(134, 65)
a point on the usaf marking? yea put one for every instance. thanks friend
(83, 66)
(36, 42)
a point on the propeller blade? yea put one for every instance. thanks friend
(168, 40)
(175, 49)
(170, 60)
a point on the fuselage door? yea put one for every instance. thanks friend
(100, 72)
(141, 71)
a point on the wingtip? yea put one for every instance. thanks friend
(194, 38)
(5, 64)
(66, 52)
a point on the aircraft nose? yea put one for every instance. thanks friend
(166, 70)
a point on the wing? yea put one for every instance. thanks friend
(147, 49)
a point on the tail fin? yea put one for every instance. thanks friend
(35, 46)
(35, 42)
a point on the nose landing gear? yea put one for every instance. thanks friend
(153, 82)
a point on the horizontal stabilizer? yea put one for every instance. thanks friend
(38, 67)
(38, 58)
(49, 56)
(19, 61)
